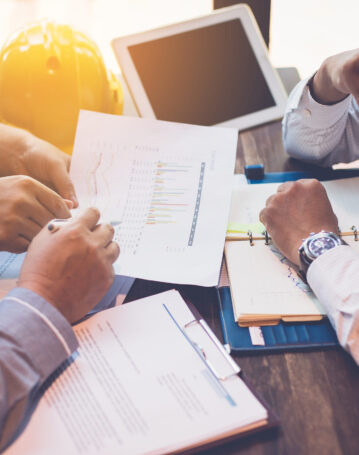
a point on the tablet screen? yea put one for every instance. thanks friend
(204, 76)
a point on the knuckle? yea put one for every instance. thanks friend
(94, 211)
(25, 181)
(296, 186)
(92, 249)
(315, 185)
(19, 203)
(111, 229)
(60, 206)
(74, 232)
(272, 200)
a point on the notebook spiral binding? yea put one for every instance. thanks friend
(355, 232)
(267, 237)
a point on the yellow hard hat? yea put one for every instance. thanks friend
(48, 72)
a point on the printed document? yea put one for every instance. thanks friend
(139, 385)
(165, 187)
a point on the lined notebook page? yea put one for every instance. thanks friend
(264, 282)
(248, 201)
(344, 196)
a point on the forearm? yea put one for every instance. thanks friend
(34, 340)
(334, 279)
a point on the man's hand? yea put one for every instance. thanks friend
(297, 209)
(26, 205)
(337, 77)
(21, 153)
(72, 267)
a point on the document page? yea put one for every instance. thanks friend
(264, 282)
(138, 385)
(248, 201)
(165, 187)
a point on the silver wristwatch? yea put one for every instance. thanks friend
(314, 246)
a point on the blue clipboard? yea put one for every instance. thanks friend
(284, 336)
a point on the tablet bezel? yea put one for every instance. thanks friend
(245, 15)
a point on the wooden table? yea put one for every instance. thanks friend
(315, 394)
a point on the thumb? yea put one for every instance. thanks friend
(62, 182)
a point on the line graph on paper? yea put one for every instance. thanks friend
(290, 271)
(98, 185)
(148, 201)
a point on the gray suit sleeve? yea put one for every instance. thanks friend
(34, 340)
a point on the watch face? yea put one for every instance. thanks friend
(317, 246)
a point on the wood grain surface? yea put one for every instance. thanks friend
(314, 393)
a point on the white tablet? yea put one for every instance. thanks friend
(212, 70)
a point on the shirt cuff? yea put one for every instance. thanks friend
(329, 276)
(38, 327)
(314, 114)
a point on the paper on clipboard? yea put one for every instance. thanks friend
(148, 394)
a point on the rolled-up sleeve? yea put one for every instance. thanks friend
(333, 277)
(34, 340)
(317, 133)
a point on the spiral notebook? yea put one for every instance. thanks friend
(265, 286)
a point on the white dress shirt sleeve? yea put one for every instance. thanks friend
(320, 134)
(334, 278)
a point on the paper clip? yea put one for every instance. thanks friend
(250, 235)
(235, 368)
(355, 231)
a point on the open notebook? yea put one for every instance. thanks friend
(265, 287)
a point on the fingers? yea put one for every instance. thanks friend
(270, 199)
(54, 203)
(284, 186)
(70, 204)
(61, 180)
(21, 245)
(262, 216)
(38, 214)
(104, 233)
(89, 218)
(113, 251)
(29, 229)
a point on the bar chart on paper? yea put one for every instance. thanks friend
(162, 201)
(167, 199)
